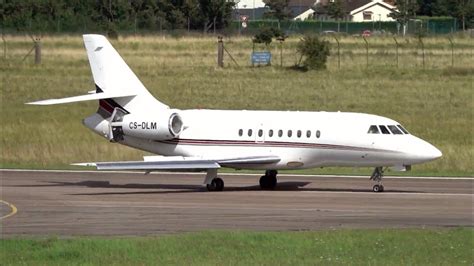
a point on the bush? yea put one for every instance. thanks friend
(314, 51)
(266, 34)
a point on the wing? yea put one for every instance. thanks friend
(178, 163)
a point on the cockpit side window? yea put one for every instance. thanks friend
(402, 129)
(384, 130)
(373, 130)
(395, 130)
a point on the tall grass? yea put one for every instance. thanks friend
(342, 247)
(434, 103)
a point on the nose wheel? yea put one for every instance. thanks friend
(377, 176)
(377, 188)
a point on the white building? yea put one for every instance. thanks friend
(249, 4)
(305, 15)
(376, 10)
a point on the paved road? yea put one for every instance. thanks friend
(98, 203)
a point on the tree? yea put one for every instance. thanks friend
(406, 10)
(278, 9)
(216, 13)
(463, 10)
(314, 51)
(335, 9)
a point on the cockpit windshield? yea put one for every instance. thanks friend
(402, 129)
(373, 130)
(395, 130)
(387, 129)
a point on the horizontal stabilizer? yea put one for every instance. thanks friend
(87, 97)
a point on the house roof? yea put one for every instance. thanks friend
(370, 4)
(304, 15)
(350, 6)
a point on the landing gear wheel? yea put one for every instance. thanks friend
(268, 182)
(217, 184)
(377, 176)
(378, 188)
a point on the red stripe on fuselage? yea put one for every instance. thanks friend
(203, 142)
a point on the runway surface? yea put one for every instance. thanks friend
(123, 204)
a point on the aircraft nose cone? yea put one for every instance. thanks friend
(424, 152)
(432, 153)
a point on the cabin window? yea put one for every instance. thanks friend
(280, 133)
(403, 129)
(290, 133)
(260, 132)
(270, 133)
(308, 133)
(298, 133)
(241, 132)
(384, 130)
(395, 130)
(249, 132)
(318, 134)
(373, 130)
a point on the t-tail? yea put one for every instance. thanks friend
(120, 93)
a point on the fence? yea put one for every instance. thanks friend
(417, 26)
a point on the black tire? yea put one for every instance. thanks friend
(272, 182)
(217, 184)
(376, 188)
(268, 182)
(263, 182)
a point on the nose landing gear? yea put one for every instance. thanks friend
(377, 176)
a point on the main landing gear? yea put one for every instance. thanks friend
(217, 184)
(377, 176)
(269, 180)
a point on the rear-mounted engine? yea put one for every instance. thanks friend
(161, 126)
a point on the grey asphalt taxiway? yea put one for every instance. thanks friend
(70, 203)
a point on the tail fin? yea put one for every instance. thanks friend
(116, 84)
(112, 75)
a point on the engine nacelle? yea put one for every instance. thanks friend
(162, 126)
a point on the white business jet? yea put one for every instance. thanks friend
(206, 140)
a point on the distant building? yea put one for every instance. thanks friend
(358, 10)
(249, 4)
(252, 9)
(301, 9)
(308, 14)
(373, 11)
(354, 10)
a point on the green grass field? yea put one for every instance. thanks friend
(434, 103)
(342, 247)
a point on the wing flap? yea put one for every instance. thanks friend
(250, 160)
(190, 165)
(176, 163)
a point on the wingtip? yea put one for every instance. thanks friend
(85, 164)
(37, 103)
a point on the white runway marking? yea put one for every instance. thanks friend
(239, 174)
